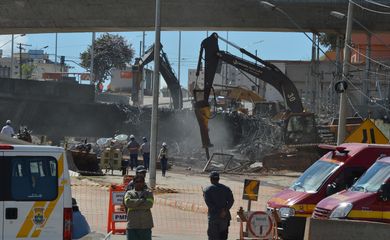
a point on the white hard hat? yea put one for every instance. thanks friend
(8, 122)
(164, 144)
(132, 136)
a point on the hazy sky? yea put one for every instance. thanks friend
(270, 46)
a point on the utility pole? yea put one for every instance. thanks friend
(12, 57)
(156, 83)
(92, 56)
(178, 66)
(343, 93)
(20, 58)
(55, 54)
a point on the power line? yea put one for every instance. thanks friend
(363, 94)
(369, 9)
(365, 56)
(353, 107)
(378, 4)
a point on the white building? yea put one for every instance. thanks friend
(36, 59)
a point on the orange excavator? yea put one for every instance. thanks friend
(299, 127)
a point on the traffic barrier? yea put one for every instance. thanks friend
(116, 209)
(259, 225)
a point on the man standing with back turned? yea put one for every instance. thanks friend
(219, 200)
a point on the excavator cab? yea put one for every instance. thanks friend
(300, 128)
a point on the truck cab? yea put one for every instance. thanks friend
(333, 172)
(35, 196)
(368, 199)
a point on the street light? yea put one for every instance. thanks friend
(12, 51)
(341, 132)
(156, 83)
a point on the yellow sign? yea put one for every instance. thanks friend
(251, 189)
(367, 132)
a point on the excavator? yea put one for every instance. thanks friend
(299, 127)
(166, 71)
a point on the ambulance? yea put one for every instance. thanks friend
(368, 199)
(335, 171)
(36, 200)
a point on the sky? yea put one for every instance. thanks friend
(269, 46)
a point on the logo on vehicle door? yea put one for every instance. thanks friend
(38, 218)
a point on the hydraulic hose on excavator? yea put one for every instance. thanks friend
(267, 72)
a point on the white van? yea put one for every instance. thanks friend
(35, 193)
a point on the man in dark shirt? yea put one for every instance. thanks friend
(219, 200)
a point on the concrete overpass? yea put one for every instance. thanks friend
(40, 16)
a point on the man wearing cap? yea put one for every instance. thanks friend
(139, 201)
(140, 170)
(219, 199)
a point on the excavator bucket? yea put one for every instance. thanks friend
(203, 115)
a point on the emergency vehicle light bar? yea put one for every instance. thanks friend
(6, 147)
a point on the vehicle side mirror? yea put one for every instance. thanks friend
(384, 192)
(331, 189)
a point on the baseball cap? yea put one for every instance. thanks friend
(214, 174)
(140, 168)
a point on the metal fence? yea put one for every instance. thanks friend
(179, 207)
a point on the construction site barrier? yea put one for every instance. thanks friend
(259, 225)
(116, 210)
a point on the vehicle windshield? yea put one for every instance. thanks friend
(372, 180)
(314, 177)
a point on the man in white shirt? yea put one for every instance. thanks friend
(145, 150)
(7, 129)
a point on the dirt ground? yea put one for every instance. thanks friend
(179, 211)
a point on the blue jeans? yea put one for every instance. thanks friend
(133, 160)
(146, 160)
(139, 234)
(164, 165)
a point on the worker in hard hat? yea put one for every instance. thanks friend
(7, 129)
(133, 147)
(163, 156)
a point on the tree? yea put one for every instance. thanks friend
(110, 51)
(329, 40)
(27, 70)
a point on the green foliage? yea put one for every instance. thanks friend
(110, 51)
(27, 70)
(329, 40)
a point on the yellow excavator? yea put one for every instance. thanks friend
(299, 127)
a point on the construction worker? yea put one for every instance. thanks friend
(140, 170)
(138, 202)
(145, 150)
(219, 199)
(133, 148)
(7, 129)
(163, 156)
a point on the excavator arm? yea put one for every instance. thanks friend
(166, 71)
(264, 70)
